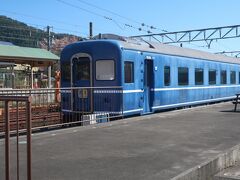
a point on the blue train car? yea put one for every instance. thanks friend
(153, 76)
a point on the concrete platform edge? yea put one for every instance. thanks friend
(208, 169)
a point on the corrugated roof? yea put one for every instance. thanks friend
(11, 52)
(6, 64)
(178, 51)
(6, 43)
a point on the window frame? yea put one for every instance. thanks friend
(187, 84)
(202, 78)
(131, 72)
(221, 72)
(114, 66)
(235, 77)
(209, 82)
(77, 70)
(164, 80)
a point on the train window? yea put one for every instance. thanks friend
(65, 72)
(239, 78)
(223, 77)
(167, 79)
(198, 76)
(182, 76)
(129, 72)
(212, 76)
(83, 69)
(233, 77)
(105, 70)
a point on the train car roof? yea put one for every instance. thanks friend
(176, 51)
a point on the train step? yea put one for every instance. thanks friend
(95, 118)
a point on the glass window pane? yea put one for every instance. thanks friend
(198, 76)
(212, 77)
(167, 78)
(83, 68)
(105, 70)
(223, 77)
(129, 72)
(233, 77)
(182, 76)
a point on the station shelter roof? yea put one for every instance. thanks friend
(35, 57)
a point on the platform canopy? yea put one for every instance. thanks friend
(35, 57)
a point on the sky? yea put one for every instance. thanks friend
(125, 17)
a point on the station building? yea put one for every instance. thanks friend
(23, 67)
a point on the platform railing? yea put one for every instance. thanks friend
(54, 107)
(12, 106)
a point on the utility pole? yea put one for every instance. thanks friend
(48, 38)
(90, 30)
(49, 49)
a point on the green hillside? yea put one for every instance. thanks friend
(21, 34)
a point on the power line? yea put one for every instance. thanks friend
(30, 30)
(19, 35)
(40, 18)
(102, 16)
(19, 28)
(106, 10)
(16, 38)
(63, 29)
(121, 16)
(47, 20)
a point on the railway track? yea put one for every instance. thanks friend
(41, 116)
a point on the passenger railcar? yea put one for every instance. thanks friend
(153, 76)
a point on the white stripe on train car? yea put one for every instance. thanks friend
(66, 110)
(193, 88)
(193, 102)
(107, 91)
(133, 91)
(118, 91)
(133, 110)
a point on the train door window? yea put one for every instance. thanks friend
(65, 72)
(128, 72)
(233, 77)
(182, 76)
(212, 76)
(167, 78)
(105, 70)
(83, 69)
(198, 76)
(223, 77)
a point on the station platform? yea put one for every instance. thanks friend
(158, 146)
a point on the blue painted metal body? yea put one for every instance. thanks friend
(147, 93)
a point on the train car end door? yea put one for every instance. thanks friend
(82, 83)
(148, 85)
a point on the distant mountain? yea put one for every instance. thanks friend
(21, 34)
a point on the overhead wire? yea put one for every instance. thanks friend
(108, 11)
(121, 16)
(102, 16)
(48, 20)
(16, 38)
(27, 34)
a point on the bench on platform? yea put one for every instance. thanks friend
(236, 101)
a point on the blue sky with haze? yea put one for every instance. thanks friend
(73, 16)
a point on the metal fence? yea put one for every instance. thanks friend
(54, 107)
(12, 106)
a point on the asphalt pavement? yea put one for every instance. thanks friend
(158, 146)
